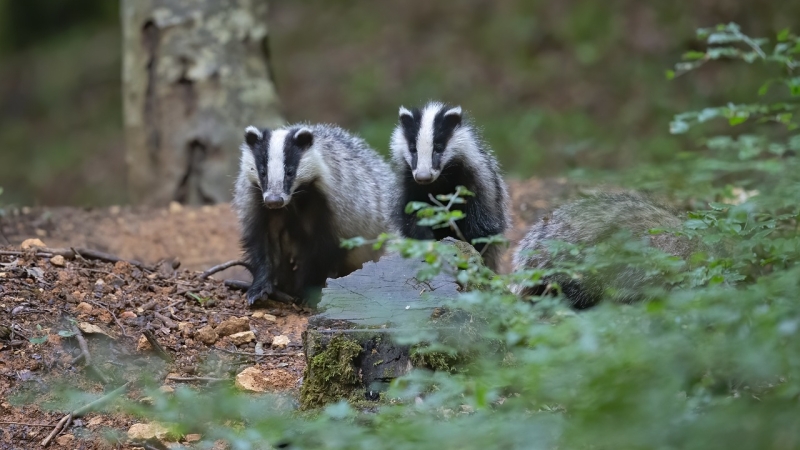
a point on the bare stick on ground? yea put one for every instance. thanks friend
(151, 338)
(276, 294)
(190, 379)
(221, 267)
(72, 253)
(64, 422)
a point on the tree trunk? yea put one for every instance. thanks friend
(195, 74)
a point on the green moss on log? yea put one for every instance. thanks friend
(330, 374)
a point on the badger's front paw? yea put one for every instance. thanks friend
(258, 290)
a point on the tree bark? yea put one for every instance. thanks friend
(195, 74)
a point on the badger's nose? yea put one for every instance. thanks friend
(423, 177)
(273, 201)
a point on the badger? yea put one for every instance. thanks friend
(435, 149)
(301, 189)
(593, 220)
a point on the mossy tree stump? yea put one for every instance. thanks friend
(351, 346)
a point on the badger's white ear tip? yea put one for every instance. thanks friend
(253, 130)
(404, 112)
(453, 111)
(303, 131)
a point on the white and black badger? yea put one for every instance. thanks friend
(434, 149)
(594, 220)
(300, 190)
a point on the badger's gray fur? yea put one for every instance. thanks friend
(300, 190)
(591, 221)
(434, 149)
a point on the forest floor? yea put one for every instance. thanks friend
(89, 323)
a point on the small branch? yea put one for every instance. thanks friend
(450, 222)
(60, 426)
(87, 358)
(276, 295)
(85, 253)
(190, 379)
(169, 323)
(238, 353)
(156, 346)
(124, 334)
(221, 267)
(43, 425)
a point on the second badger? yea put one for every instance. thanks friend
(300, 190)
(434, 150)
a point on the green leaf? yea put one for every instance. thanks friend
(695, 224)
(669, 74)
(737, 119)
(783, 35)
(693, 55)
(38, 340)
(66, 333)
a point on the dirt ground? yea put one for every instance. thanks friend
(51, 307)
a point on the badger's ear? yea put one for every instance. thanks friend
(406, 117)
(452, 117)
(303, 138)
(252, 135)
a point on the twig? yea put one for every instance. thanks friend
(276, 295)
(60, 426)
(221, 267)
(190, 379)
(124, 334)
(232, 352)
(87, 358)
(44, 425)
(450, 222)
(72, 253)
(64, 422)
(167, 321)
(156, 346)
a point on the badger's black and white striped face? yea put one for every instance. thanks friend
(278, 161)
(427, 139)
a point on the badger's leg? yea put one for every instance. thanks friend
(322, 258)
(255, 244)
(410, 229)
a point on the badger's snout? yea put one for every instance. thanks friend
(274, 201)
(425, 176)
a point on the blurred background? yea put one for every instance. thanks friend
(555, 85)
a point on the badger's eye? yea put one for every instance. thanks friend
(412, 149)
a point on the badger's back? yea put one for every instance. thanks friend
(357, 182)
(594, 220)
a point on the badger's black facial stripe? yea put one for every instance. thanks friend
(260, 149)
(410, 126)
(443, 128)
(293, 149)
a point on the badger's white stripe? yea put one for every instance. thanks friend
(254, 130)
(275, 168)
(425, 138)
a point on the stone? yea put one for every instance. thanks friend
(207, 335)
(233, 325)
(32, 243)
(242, 337)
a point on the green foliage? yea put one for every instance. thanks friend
(709, 363)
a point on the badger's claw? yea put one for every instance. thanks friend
(258, 290)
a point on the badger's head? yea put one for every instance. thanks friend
(427, 139)
(277, 161)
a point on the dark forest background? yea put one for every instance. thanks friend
(556, 85)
